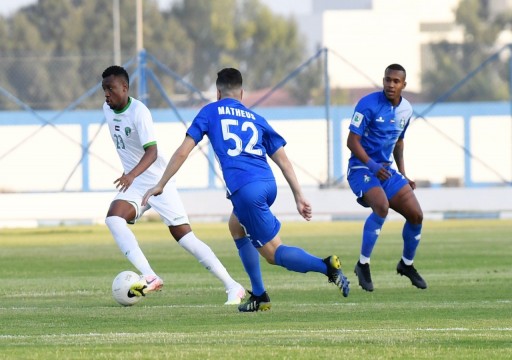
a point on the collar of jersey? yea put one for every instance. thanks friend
(126, 107)
(384, 98)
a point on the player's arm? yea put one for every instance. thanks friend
(177, 159)
(286, 167)
(354, 144)
(398, 155)
(149, 157)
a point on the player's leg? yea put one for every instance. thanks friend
(405, 203)
(370, 193)
(263, 227)
(248, 255)
(258, 298)
(120, 212)
(170, 208)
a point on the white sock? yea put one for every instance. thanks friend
(128, 244)
(407, 261)
(364, 260)
(207, 258)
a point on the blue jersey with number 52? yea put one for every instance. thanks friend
(241, 140)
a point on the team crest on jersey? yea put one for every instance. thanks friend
(127, 131)
(357, 119)
(402, 123)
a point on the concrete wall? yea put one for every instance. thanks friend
(48, 209)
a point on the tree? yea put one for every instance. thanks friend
(452, 62)
(243, 34)
(71, 42)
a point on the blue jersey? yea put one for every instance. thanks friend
(241, 140)
(380, 125)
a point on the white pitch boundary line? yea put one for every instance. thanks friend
(330, 331)
(205, 306)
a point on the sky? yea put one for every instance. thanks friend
(10, 6)
(282, 7)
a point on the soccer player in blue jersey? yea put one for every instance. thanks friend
(242, 140)
(376, 139)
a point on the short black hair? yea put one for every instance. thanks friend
(396, 67)
(116, 70)
(228, 79)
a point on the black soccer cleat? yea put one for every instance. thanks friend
(256, 303)
(411, 273)
(364, 276)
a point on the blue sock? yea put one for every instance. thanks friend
(251, 260)
(411, 235)
(298, 260)
(371, 231)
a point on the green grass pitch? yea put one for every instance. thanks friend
(55, 297)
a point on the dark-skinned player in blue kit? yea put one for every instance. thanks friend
(242, 140)
(376, 140)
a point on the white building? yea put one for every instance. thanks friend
(365, 36)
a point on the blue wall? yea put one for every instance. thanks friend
(336, 114)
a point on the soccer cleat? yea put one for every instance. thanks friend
(364, 276)
(146, 284)
(335, 275)
(256, 303)
(235, 295)
(411, 273)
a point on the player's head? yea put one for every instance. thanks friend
(115, 84)
(229, 84)
(394, 82)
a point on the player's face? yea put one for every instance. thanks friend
(393, 83)
(116, 92)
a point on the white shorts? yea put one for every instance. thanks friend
(168, 204)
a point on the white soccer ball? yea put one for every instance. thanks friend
(121, 288)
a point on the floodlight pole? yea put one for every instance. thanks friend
(139, 40)
(142, 92)
(116, 32)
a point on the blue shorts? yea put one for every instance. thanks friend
(251, 205)
(361, 179)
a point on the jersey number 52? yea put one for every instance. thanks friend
(246, 126)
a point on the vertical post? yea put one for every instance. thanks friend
(85, 157)
(510, 90)
(142, 92)
(116, 32)
(211, 168)
(139, 26)
(468, 181)
(336, 148)
(327, 92)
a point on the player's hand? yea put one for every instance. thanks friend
(412, 183)
(383, 174)
(155, 190)
(378, 169)
(304, 209)
(124, 182)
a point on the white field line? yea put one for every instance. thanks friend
(249, 332)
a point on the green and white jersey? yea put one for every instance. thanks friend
(132, 131)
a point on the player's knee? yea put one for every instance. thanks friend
(179, 231)
(271, 261)
(381, 209)
(416, 218)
